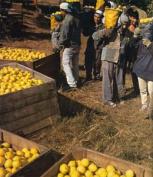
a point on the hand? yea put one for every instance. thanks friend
(55, 50)
(146, 42)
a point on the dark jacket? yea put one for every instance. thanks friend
(143, 66)
(70, 32)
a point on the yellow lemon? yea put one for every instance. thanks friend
(129, 173)
(35, 156)
(64, 169)
(2, 152)
(5, 144)
(85, 162)
(8, 163)
(19, 153)
(34, 151)
(14, 170)
(75, 174)
(25, 150)
(27, 154)
(110, 168)
(92, 167)
(16, 164)
(72, 163)
(88, 173)
(78, 162)
(2, 160)
(60, 175)
(72, 169)
(101, 172)
(8, 175)
(111, 174)
(2, 172)
(116, 175)
(81, 169)
(16, 158)
(9, 155)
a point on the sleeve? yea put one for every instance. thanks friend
(102, 34)
(65, 33)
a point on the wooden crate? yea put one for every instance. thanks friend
(30, 109)
(49, 65)
(47, 157)
(101, 160)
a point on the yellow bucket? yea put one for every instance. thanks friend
(99, 4)
(111, 17)
(53, 23)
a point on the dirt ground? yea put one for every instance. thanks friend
(122, 131)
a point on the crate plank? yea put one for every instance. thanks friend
(35, 127)
(24, 112)
(26, 121)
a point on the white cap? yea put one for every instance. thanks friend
(99, 12)
(65, 6)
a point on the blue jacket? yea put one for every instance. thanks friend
(143, 66)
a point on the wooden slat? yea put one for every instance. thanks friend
(18, 104)
(26, 121)
(36, 126)
(24, 112)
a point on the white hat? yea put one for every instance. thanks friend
(65, 6)
(99, 12)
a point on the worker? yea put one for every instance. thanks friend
(70, 41)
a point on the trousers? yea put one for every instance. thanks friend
(109, 80)
(145, 88)
(70, 62)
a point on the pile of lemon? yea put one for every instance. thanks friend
(72, 1)
(19, 54)
(12, 160)
(85, 168)
(146, 20)
(15, 79)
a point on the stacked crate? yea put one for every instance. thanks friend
(32, 109)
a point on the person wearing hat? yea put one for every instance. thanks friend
(93, 50)
(98, 45)
(143, 68)
(70, 41)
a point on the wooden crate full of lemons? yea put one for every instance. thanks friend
(23, 92)
(11, 160)
(47, 64)
(21, 157)
(20, 54)
(82, 162)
